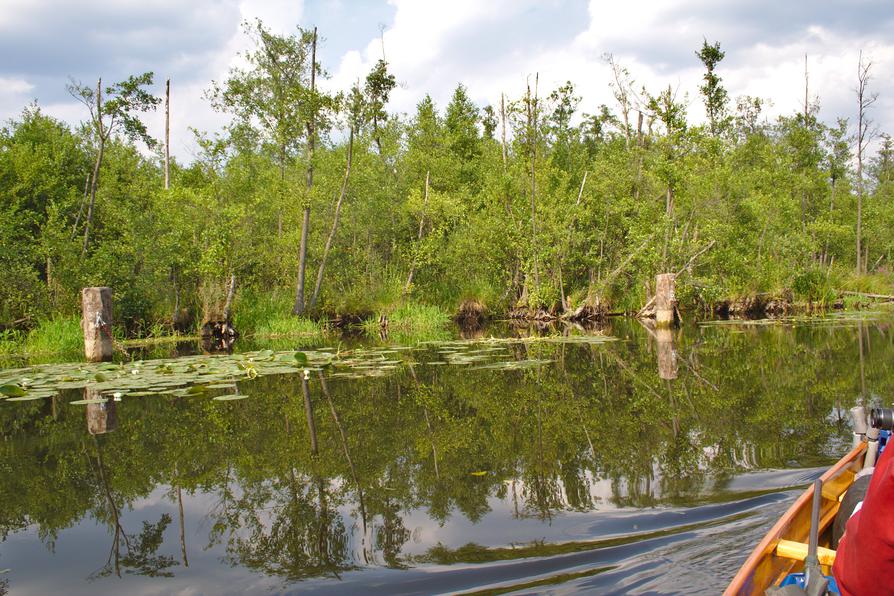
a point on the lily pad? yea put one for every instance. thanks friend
(230, 397)
(12, 390)
(81, 402)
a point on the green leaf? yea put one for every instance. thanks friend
(12, 390)
(196, 390)
(81, 402)
(229, 397)
(301, 358)
(100, 378)
(27, 398)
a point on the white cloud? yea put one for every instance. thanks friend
(281, 16)
(656, 40)
(491, 47)
(15, 93)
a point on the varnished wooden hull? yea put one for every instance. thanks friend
(764, 568)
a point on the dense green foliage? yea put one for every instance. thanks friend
(449, 203)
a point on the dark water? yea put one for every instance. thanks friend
(643, 464)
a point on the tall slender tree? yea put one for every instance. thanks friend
(116, 112)
(379, 84)
(715, 96)
(865, 99)
(311, 126)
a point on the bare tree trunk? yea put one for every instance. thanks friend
(561, 286)
(806, 90)
(639, 156)
(806, 127)
(503, 124)
(231, 293)
(175, 283)
(305, 223)
(532, 132)
(167, 134)
(282, 188)
(621, 96)
(341, 198)
(74, 227)
(864, 101)
(669, 211)
(419, 235)
(101, 139)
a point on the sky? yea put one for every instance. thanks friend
(492, 47)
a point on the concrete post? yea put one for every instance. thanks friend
(96, 305)
(665, 299)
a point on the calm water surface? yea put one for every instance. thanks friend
(617, 461)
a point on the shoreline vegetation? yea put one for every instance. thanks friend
(315, 210)
(60, 339)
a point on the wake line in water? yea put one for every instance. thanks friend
(649, 522)
(540, 565)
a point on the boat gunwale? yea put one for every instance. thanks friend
(742, 582)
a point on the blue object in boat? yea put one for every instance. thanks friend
(883, 437)
(800, 580)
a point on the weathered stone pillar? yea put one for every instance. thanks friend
(96, 305)
(665, 299)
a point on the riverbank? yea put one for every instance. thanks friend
(265, 318)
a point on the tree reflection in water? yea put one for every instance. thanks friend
(313, 477)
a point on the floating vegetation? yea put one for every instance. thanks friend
(191, 376)
(831, 319)
(512, 365)
(217, 376)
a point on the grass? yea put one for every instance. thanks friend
(52, 340)
(411, 322)
(54, 336)
(269, 315)
(290, 326)
(869, 283)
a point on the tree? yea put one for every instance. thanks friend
(278, 92)
(116, 113)
(354, 109)
(379, 84)
(564, 104)
(864, 135)
(489, 122)
(463, 139)
(311, 126)
(715, 96)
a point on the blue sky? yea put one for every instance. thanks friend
(491, 47)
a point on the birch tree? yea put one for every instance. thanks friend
(114, 112)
